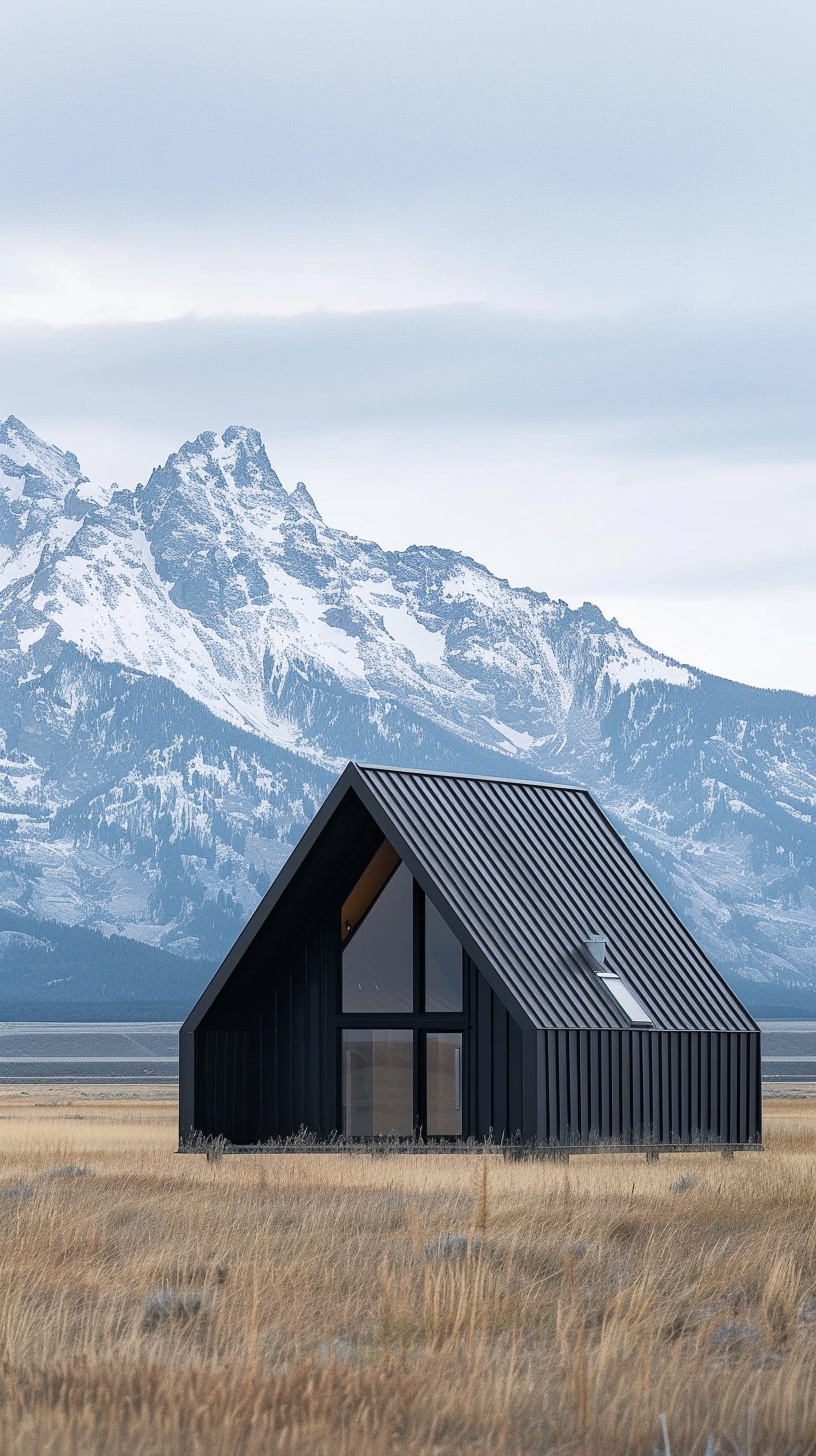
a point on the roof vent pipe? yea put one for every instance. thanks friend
(596, 945)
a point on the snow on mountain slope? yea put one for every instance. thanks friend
(213, 577)
(185, 666)
(43, 499)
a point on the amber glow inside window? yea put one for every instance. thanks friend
(373, 879)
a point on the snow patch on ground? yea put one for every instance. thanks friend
(29, 635)
(408, 632)
(521, 742)
(467, 583)
(737, 806)
(13, 940)
(795, 813)
(629, 663)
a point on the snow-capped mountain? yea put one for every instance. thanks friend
(185, 666)
(43, 499)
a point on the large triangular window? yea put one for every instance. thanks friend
(402, 1012)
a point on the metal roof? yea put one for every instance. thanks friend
(525, 873)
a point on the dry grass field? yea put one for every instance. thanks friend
(162, 1305)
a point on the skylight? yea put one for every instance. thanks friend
(628, 1002)
(595, 946)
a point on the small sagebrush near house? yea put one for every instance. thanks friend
(454, 957)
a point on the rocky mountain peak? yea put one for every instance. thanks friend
(34, 471)
(217, 477)
(44, 498)
(50, 467)
(303, 502)
(247, 442)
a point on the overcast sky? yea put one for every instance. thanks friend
(533, 281)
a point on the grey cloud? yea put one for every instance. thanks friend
(742, 386)
(573, 140)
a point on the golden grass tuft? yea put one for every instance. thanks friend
(161, 1305)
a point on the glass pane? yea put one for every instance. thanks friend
(378, 958)
(444, 1057)
(378, 1083)
(443, 964)
(626, 999)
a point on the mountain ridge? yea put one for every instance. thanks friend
(186, 665)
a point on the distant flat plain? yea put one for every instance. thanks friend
(88, 1051)
(69, 1051)
(158, 1304)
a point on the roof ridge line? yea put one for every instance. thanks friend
(431, 773)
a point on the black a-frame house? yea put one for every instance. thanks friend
(446, 956)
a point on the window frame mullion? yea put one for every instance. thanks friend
(419, 1021)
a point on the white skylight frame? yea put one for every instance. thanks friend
(626, 999)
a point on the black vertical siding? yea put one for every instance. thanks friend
(263, 1073)
(295, 1050)
(228, 1081)
(502, 1068)
(672, 1087)
(271, 1076)
(499, 1037)
(515, 1078)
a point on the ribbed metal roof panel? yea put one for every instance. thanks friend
(530, 871)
